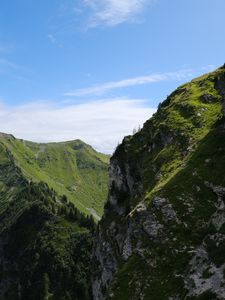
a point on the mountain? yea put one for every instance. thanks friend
(73, 169)
(45, 239)
(162, 235)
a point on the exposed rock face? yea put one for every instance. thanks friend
(204, 276)
(163, 232)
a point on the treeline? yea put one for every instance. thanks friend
(71, 212)
(59, 205)
(45, 246)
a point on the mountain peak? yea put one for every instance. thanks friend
(163, 226)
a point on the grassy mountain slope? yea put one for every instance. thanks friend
(162, 235)
(73, 169)
(45, 242)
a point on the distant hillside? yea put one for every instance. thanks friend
(73, 169)
(45, 242)
(49, 194)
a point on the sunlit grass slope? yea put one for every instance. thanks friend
(72, 168)
(174, 164)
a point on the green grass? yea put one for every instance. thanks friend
(178, 150)
(72, 168)
(46, 241)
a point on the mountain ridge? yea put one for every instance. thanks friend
(45, 241)
(162, 232)
(39, 231)
(71, 168)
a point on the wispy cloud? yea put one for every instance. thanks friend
(141, 80)
(16, 71)
(7, 63)
(6, 66)
(81, 15)
(209, 68)
(53, 40)
(114, 12)
(100, 123)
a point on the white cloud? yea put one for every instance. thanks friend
(101, 123)
(141, 80)
(209, 68)
(51, 38)
(7, 66)
(114, 12)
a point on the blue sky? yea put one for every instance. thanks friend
(95, 69)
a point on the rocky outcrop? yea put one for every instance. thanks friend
(204, 276)
(163, 235)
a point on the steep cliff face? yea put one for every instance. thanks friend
(162, 235)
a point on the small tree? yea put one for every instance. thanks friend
(45, 288)
(134, 131)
